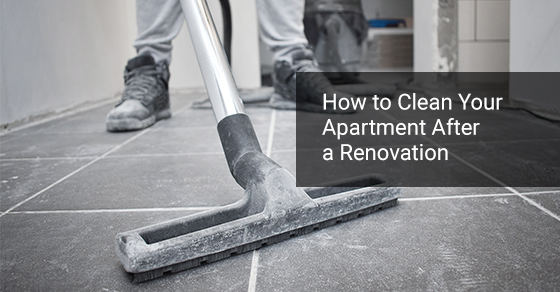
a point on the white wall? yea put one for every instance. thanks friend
(535, 47)
(535, 36)
(425, 36)
(185, 72)
(58, 54)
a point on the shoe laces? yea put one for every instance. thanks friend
(139, 82)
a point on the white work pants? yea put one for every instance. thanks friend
(159, 21)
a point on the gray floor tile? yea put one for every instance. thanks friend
(143, 182)
(471, 244)
(474, 243)
(550, 201)
(451, 173)
(287, 160)
(286, 115)
(163, 140)
(8, 137)
(63, 145)
(86, 127)
(451, 191)
(309, 124)
(259, 115)
(517, 164)
(284, 136)
(493, 126)
(22, 179)
(87, 122)
(179, 100)
(456, 112)
(501, 128)
(305, 118)
(75, 252)
(202, 114)
(194, 117)
(191, 118)
(191, 131)
(91, 121)
(536, 189)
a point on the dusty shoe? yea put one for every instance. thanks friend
(310, 89)
(145, 99)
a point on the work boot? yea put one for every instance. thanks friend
(145, 99)
(310, 87)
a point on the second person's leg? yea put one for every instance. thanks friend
(281, 28)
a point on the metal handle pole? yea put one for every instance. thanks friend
(212, 60)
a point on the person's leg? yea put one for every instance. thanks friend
(146, 97)
(282, 30)
(159, 22)
(281, 26)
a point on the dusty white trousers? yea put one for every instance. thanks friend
(159, 22)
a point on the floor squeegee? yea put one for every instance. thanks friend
(272, 209)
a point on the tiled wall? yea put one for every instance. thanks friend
(484, 35)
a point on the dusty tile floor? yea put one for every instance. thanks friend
(68, 187)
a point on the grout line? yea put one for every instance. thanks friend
(530, 201)
(456, 197)
(205, 208)
(65, 113)
(468, 164)
(255, 259)
(540, 192)
(254, 269)
(499, 182)
(475, 20)
(134, 210)
(503, 141)
(389, 116)
(268, 150)
(187, 106)
(114, 156)
(166, 154)
(285, 150)
(271, 133)
(86, 165)
(48, 158)
(211, 126)
(76, 171)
